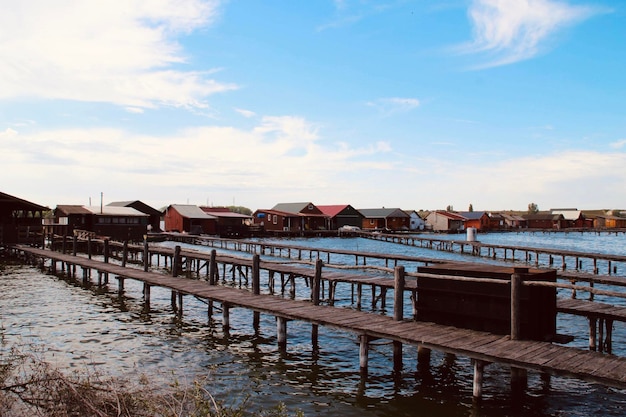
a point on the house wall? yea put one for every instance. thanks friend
(173, 221)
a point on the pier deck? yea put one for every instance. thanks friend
(482, 347)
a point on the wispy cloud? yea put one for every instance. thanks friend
(125, 53)
(508, 31)
(618, 144)
(391, 105)
(350, 12)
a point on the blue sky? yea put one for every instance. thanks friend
(410, 104)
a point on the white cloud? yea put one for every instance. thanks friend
(279, 155)
(101, 51)
(391, 105)
(246, 113)
(618, 144)
(508, 31)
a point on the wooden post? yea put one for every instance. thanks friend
(176, 261)
(180, 303)
(317, 279)
(398, 313)
(363, 353)
(593, 322)
(225, 316)
(477, 392)
(281, 332)
(519, 378)
(146, 253)
(213, 267)
(125, 253)
(398, 299)
(120, 285)
(256, 275)
(516, 290)
(146, 296)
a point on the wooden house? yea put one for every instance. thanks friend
(385, 219)
(573, 217)
(20, 221)
(609, 221)
(514, 221)
(117, 223)
(186, 218)
(445, 221)
(415, 222)
(545, 221)
(476, 219)
(274, 220)
(341, 215)
(228, 223)
(154, 215)
(292, 217)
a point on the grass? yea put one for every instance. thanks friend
(31, 386)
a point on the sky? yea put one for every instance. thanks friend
(418, 104)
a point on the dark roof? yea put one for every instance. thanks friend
(472, 215)
(543, 216)
(291, 207)
(71, 209)
(10, 203)
(383, 213)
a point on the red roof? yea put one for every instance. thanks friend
(332, 211)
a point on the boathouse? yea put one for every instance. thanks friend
(445, 221)
(609, 221)
(154, 215)
(385, 219)
(476, 219)
(20, 220)
(186, 218)
(573, 217)
(117, 223)
(228, 223)
(513, 221)
(291, 217)
(545, 221)
(341, 215)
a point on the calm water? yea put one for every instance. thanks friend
(78, 327)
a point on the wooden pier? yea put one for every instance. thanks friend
(483, 348)
(531, 255)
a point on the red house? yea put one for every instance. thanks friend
(477, 219)
(189, 219)
(342, 215)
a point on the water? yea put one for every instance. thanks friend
(79, 327)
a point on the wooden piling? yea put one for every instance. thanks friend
(281, 332)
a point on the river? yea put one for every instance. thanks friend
(76, 327)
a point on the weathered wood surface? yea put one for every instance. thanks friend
(532, 355)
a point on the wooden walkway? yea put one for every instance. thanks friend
(482, 347)
(506, 252)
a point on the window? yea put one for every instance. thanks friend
(275, 218)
